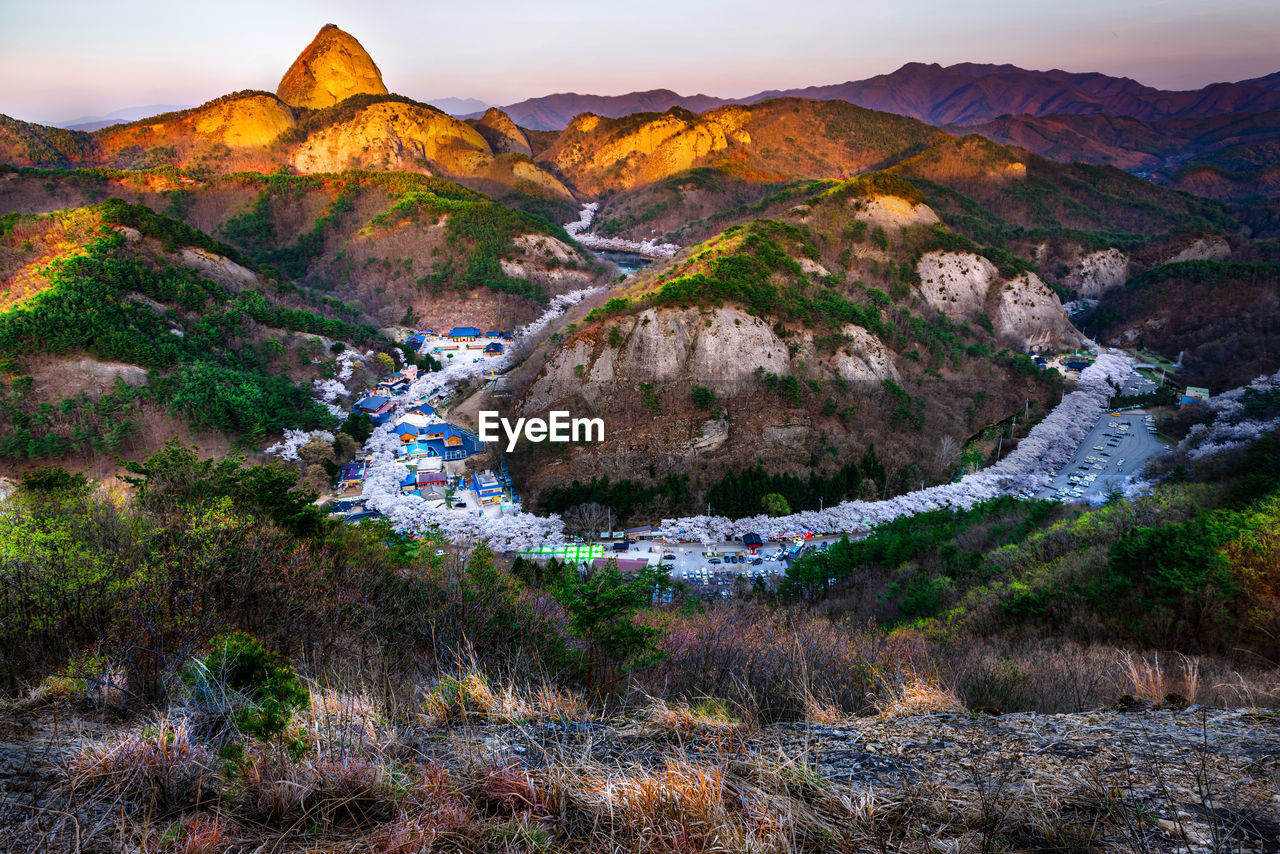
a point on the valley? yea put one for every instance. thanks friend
(891, 465)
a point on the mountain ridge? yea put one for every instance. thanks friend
(963, 93)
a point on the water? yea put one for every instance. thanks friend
(629, 263)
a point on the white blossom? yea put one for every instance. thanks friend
(287, 448)
(579, 231)
(1228, 431)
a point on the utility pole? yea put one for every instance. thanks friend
(999, 445)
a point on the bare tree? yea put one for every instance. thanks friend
(587, 519)
(947, 456)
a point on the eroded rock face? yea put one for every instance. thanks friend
(219, 268)
(864, 359)
(722, 350)
(1098, 272)
(1024, 312)
(1211, 247)
(661, 146)
(329, 70)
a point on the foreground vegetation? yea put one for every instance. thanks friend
(269, 668)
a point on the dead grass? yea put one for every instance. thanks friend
(919, 696)
(160, 765)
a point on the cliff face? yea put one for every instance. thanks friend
(502, 134)
(331, 69)
(1024, 312)
(1098, 272)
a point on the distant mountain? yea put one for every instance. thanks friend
(963, 94)
(118, 117)
(554, 112)
(459, 107)
(970, 93)
(1230, 157)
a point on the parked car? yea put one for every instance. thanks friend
(757, 562)
(714, 561)
(668, 557)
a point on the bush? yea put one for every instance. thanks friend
(266, 681)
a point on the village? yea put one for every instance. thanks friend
(410, 408)
(434, 451)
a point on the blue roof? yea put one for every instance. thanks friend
(373, 402)
(493, 333)
(423, 409)
(463, 332)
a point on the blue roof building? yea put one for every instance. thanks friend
(494, 349)
(493, 333)
(378, 407)
(488, 487)
(464, 333)
(450, 442)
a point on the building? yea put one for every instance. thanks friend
(1194, 396)
(416, 340)
(626, 565)
(494, 349)
(421, 482)
(351, 475)
(417, 452)
(752, 541)
(450, 442)
(493, 333)
(464, 333)
(642, 532)
(397, 383)
(377, 406)
(1077, 365)
(488, 487)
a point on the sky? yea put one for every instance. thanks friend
(62, 59)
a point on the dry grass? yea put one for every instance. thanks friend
(470, 695)
(161, 765)
(1154, 682)
(920, 697)
(204, 835)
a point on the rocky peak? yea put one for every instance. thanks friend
(502, 134)
(329, 70)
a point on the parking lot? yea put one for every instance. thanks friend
(1118, 446)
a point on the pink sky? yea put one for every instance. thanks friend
(61, 59)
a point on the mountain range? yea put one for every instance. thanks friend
(962, 94)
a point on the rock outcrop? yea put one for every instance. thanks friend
(394, 135)
(502, 134)
(721, 350)
(1098, 272)
(329, 70)
(1024, 312)
(1210, 247)
(239, 120)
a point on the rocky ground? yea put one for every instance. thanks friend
(1136, 779)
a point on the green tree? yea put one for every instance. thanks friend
(775, 504)
(603, 606)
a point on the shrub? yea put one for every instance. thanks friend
(239, 663)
